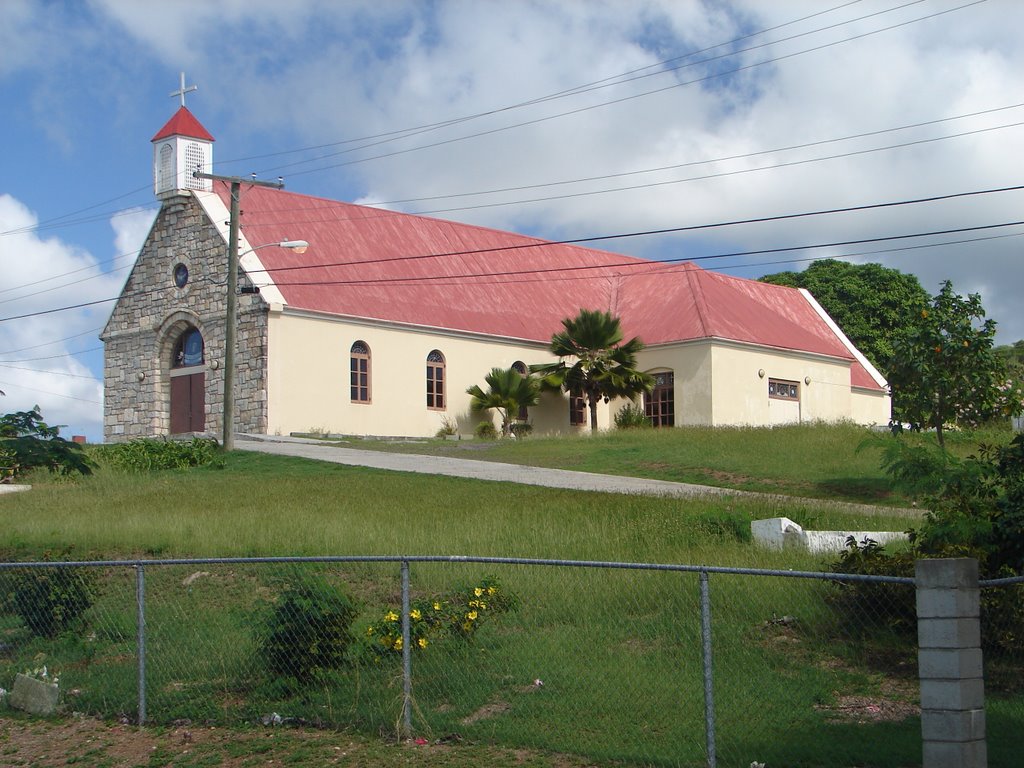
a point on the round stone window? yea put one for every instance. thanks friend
(180, 275)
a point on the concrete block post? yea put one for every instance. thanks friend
(949, 664)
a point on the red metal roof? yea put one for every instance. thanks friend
(183, 123)
(372, 263)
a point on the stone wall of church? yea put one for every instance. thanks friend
(152, 313)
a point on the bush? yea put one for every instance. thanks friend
(48, 600)
(27, 442)
(521, 428)
(148, 454)
(866, 605)
(310, 630)
(485, 431)
(632, 416)
(449, 427)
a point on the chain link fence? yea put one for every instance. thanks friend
(1002, 621)
(617, 662)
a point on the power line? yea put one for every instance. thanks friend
(53, 373)
(50, 343)
(609, 81)
(443, 279)
(53, 394)
(51, 357)
(579, 110)
(633, 262)
(616, 236)
(669, 230)
(612, 80)
(726, 158)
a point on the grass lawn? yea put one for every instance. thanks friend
(618, 652)
(822, 461)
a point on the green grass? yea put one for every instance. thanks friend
(618, 651)
(812, 460)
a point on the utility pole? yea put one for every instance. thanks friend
(231, 319)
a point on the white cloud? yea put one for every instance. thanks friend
(37, 364)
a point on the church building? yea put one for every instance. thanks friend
(383, 322)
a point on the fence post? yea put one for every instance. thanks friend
(140, 614)
(950, 663)
(406, 655)
(709, 687)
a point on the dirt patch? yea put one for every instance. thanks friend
(88, 743)
(487, 711)
(868, 709)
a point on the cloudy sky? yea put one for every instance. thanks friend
(555, 118)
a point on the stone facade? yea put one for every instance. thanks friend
(152, 313)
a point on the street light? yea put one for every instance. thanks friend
(230, 321)
(298, 246)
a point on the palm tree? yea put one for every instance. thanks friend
(605, 367)
(508, 391)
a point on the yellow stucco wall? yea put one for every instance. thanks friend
(716, 383)
(308, 378)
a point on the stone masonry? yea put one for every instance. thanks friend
(152, 313)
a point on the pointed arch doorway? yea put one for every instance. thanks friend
(188, 383)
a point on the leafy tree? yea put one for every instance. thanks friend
(604, 366)
(871, 303)
(944, 369)
(31, 443)
(507, 392)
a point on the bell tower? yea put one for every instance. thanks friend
(179, 148)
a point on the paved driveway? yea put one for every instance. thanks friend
(471, 468)
(515, 473)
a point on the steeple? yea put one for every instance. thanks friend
(179, 148)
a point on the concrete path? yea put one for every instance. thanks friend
(471, 468)
(515, 473)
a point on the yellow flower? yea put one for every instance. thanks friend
(481, 605)
(491, 590)
(478, 591)
(369, 631)
(391, 616)
(415, 614)
(467, 626)
(471, 615)
(398, 644)
(422, 642)
(437, 606)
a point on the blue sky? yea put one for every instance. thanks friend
(328, 94)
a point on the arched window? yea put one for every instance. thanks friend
(520, 367)
(660, 404)
(359, 367)
(435, 380)
(189, 349)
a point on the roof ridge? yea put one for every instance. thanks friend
(699, 302)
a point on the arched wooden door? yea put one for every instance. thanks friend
(188, 384)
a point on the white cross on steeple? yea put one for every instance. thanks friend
(183, 90)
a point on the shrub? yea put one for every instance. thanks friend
(309, 631)
(48, 600)
(485, 431)
(631, 416)
(148, 454)
(521, 428)
(28, 442)
(864, 605)
(449, 427)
